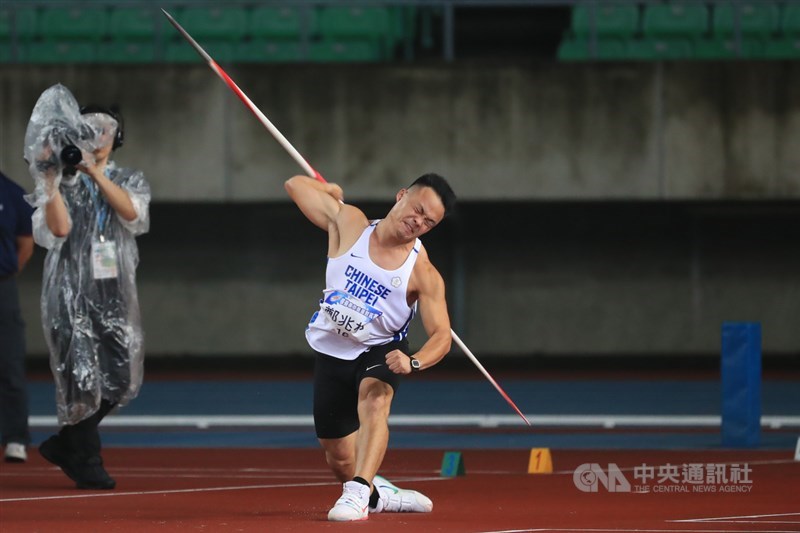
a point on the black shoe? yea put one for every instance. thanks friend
(55, 451)
(90, 474)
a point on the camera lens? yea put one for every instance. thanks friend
(71, 155)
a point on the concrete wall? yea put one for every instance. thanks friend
(522, 131)
(550, 278)
(563, 244)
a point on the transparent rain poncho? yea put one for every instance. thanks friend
(90, 309)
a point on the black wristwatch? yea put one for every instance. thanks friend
(416, 366)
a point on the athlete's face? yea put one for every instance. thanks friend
(417, 211)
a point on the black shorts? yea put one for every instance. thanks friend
(336, 383)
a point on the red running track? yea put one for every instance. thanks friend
(227, 489)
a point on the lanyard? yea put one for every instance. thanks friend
(101, 207)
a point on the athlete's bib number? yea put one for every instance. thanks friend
(348, 316)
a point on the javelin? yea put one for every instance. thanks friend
(243, 97)
(311, 172)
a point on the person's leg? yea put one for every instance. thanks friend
(376, 385)
(71, 344)
(340, 454)
(374, 403)
(376, 389)
(336, 423)
(13, 391)
(109, 342)
(82, 440)
(58, 324)
(360, 453)
(76, 450)
(336, 413)
(376, 393)
(109, 315)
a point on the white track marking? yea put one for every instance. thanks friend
(154, 473)
(187, 491)
(621, 530)
(730, 518)
(209, 472)
(484, 421)
(753, 522)
(151, 492)
(623, 469)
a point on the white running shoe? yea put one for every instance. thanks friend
(353, 503)
(15, 453)
(393, 499)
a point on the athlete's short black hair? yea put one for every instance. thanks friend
(441, 187)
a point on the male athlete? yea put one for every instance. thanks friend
(378, 273)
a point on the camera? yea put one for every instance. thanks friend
(60, 147)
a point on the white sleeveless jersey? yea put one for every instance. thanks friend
(363, 305)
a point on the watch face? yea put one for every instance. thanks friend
(415, 364)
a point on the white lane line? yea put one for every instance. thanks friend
(727, 518)
(128, 475)
(752, 522)
(484, 421)
(151, 492)
(187, 491)
(320, 472)
(620, 530)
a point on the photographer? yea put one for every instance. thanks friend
(88, 214)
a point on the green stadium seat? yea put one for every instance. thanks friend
(20, 21)
(725, 48)
(182, 52)
(404, 22)
(79, 23)
(261, 51)
(755, 18)
(273, 23)
(658, 49)
(344, 51)
(5, 23)
(224, 23)
(134, 23)
(11, 54)
(783, 49)
(427, 39)
(791, 19)
(581, 50)
(357, 31)
(61, 52)
(676, 19)
(614, 20)
(362, 23)
(126, 52)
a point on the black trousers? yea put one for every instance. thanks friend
(97, 333)
(13, 388)
(83, 438)
(336, 384)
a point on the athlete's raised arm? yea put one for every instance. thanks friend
(320, 202)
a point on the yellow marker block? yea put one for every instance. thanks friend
(541, 462)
